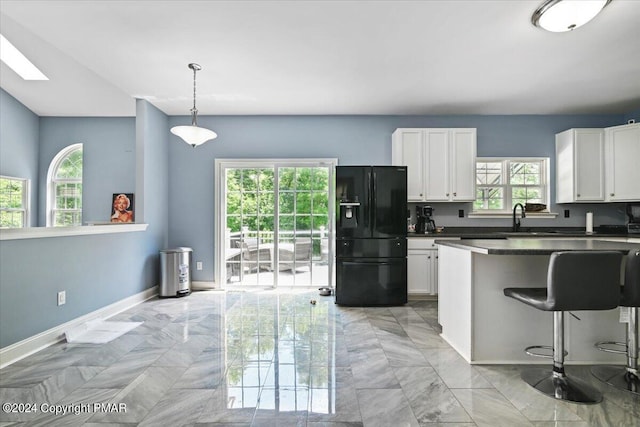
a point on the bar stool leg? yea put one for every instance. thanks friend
(556, 384)
(624, 378)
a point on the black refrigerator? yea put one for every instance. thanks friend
(371, 235)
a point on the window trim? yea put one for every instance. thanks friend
(26, 201)
(546, 187)
(51, 183)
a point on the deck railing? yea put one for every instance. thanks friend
(238, 242)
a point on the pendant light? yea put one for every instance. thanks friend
(194, 135)
(565, 15)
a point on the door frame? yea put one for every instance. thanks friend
(220, 206)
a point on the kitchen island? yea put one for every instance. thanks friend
(486, 327)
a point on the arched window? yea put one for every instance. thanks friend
(64, 188)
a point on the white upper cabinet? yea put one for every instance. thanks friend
(463, 163)
(440, 163)
(580, 166)
(622, 154)
(437, 165)
(409, 150)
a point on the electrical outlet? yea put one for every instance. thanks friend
(199, 265)
(460, 213)
(566, 213)
(62, 297)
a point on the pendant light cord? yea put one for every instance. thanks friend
(194, 110)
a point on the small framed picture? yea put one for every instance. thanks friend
(122, 207)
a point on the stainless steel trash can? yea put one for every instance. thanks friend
(175, 266)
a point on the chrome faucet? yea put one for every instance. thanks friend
(516, 222)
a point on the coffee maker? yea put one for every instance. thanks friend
(424, 221)
(633, 212)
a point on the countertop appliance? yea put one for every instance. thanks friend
(371, 235)
(633, 213)
(424, 219)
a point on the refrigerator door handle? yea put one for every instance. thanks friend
(374, 204)
(369, 207)
(361, 262)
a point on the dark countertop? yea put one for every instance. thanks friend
(534, 246)
(528, 232)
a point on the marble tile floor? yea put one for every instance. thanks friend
(267, 358)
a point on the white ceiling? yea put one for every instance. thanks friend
(320, 57)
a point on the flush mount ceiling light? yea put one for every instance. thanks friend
(194, 135)
(566, 15)
(19, 63)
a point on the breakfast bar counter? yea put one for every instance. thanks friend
(486, 327)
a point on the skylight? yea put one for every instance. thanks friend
(19, 63)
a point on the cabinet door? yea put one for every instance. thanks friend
(589, 165)
(408, 150)
(420, 271)
(623, 152)
(565, 165)
(463, 164)
(437, 164)
(580, 166)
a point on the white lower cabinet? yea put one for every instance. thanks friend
(422, 266)
(422, 275)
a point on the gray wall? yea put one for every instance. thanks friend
(357, 140)
(152, 181)
(635, 115)
(19, 139)
(95, 270)
(109, 159)
(174, 189)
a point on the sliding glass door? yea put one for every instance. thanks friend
(276, 221)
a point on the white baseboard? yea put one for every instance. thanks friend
(201, 286)
(26, 347)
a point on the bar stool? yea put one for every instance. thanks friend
(628, 377)
(576, 280)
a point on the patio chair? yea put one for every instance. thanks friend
(254, 257)
(299, 257)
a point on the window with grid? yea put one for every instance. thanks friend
(503, 182)
(64, 198)
(14, 196)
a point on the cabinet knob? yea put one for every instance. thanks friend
(612, 194)
(455, 194)
(577, 195)
(420, 194)
(429, 257)
(447, 194)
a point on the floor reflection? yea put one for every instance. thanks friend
(281, 353)
(270, 358)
